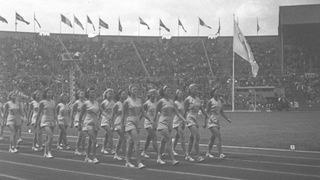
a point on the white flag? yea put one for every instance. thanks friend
(242, 48)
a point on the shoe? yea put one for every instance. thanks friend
(141, 166)
(95, 160)
(174, 153)
(163, 155)
(143, 154)
(13, 150)
(113, 152)
(189, 158)
(222, 156)
(160, 161)
(19, 141)
(88, 160)
(37, 146)
(103, 151)
(59, 147)
(200, 159)
(76, 152)
(128, 164)
(83, 153)
(209, 155)
(49, 155)
(117, 157)
(67, 147)
(35, 149)
(175, 162)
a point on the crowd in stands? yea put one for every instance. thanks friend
(34, 63)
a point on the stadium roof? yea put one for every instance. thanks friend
(301, 14)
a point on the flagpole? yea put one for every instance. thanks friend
(87, 26)
(198, 26)
(60, 25)
(233, 71)
(207, 57)
(34, 23)
(178, 28)
(16, 24)
(99, 26)
(73, 24)
(139, 28)
(159, 29)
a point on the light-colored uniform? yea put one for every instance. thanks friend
(215, 109)
(64, 114)
(192, 111)
(166, 114)
(151, 113)
(134, 114)
(35, 112)
(107, 112)
(79, 104)
(1, 114)
(118, 118)
(14, 113)
(48, 114)
(90, 121)
(177, 122)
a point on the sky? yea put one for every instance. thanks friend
(247, 12)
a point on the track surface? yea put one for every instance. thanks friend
(241, 163)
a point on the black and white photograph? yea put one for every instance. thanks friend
(159, 89)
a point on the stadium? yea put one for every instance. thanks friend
(275, 114)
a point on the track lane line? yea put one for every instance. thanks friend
(11, 177)
(62, 170)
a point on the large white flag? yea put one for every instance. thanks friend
(242, 48)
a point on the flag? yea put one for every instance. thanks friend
(34, 18)
(65, 20)
(103, 24)
(164, 26)
(143, 22)
(90, 22)
(76, 20)
(119, 26)
(20, 18)
(219, 28)
(242, 48)
(202, 23)
(180, 24)
(258, 26)
(2, 19)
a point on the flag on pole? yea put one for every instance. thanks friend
(180, 24)
(65, 20)
(242, 48)
(90, 22)
(34, 18)
(119, 25)
(143, 22)
(219, 28)
(258, 26)
(20, 18)
(2, 19)
(202, 23)
(76, 20)
(103, 24)
(164, 26)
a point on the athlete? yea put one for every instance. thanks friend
(32, 119)
(48, 119)
(75, 115)
(106, 120)
(89, 123)
(215, 110)
(178, 124)
(167, 110)
(192, 106)
(151, 127)
(63, 111)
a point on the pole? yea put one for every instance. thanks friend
(16, 24)
(73, 24)
(87, 27)
(138, 28)
(60, 25)
(198, 27)
(233, 72)
(141, 61)
(34, 23)
(207, 57)
(178, 27)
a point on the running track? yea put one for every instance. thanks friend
(241, 163)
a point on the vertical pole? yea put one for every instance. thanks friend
(87, 26)
(198, 27)
(60, 26)
(178, 28)
(159, 29)
(73, 24)
(34, 23)
(16, 24)
(233, 71)
(138, 28)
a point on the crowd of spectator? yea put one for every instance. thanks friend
(34, 63)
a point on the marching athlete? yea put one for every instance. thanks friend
(118, 124)
(192, 106)
(106, 120)
(2, 125)
(48, 119)
(132, 113)
(215, 110)
(179, 124)
(167, 110)
(32, 119)
(89, 119)
(63, 111)
(75, 116)
(151, 127)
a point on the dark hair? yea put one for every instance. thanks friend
(61, 96)
(176, 94)
(162, 90)
(45, 93)
(88, 90)
(104, 95)
(76, 95)
(129, 89)
(118, 95)
(34, 94)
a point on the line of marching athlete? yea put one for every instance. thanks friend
(164, 112)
